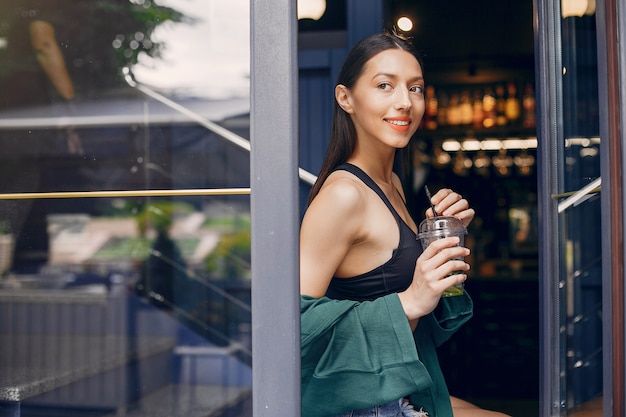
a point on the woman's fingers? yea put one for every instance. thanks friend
(446, 274)
(448, 202)
(451, 280)
(445, 246)
(435, 270)
(451, 203)
(439, 257)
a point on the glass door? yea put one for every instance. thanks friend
(580, 280)
(125, 208)
(579, 139)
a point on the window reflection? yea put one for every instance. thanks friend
(113, 304)
(208, 57)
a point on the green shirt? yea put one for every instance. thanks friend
(357, 355)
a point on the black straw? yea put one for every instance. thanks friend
(432, 206)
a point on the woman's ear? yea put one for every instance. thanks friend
(342, 95)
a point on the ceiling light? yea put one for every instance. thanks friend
(311, 9)
(491, 145)
(451, 145)
(584, 142)
(471, 145)
(405, 24)
(577, 8)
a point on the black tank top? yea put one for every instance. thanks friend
(395, 275)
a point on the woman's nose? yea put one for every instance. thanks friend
(403, 100)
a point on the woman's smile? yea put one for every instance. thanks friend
(401, 124)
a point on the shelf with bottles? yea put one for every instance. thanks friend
(481, 128)
(502, 108)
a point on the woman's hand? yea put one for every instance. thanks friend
(450, 203)
(433, 275)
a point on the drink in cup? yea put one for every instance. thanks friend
(441, 227)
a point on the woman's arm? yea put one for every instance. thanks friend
(433, 267)
(49, 56)
(330, 226)
(433, 274)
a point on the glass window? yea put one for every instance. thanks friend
(124, 207)
(571, 233)
(581, 279)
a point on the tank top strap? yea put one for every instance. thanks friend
(359, 173)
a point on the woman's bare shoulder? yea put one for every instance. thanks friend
(342, 191)
(338, 208)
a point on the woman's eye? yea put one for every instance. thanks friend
(417, 89)
(384, 86)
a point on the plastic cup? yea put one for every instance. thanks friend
(441, 227)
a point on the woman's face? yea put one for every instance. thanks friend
(387, 102)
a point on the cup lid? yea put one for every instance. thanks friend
(440, 223)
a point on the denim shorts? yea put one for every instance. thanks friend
(399, 408)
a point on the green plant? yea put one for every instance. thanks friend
(159, 215)
(231, 257)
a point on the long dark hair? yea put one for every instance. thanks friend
(343, 134)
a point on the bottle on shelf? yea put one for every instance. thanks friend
(502, 163)
(454, 114)
(524, 163)
(430, 113)
(440, 158)
(528, 107)
(461, 164)
(500, 106)
(477, 110)
(496, 105)
(465, 109)
(482, 163)
(489, 108)
(512, 109)
(442, 109)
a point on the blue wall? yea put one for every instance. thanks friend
(319, 67)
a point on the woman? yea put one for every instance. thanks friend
(372, 312)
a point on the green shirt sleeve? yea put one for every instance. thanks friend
(433, 330)
(357, 355)
(450, 315)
